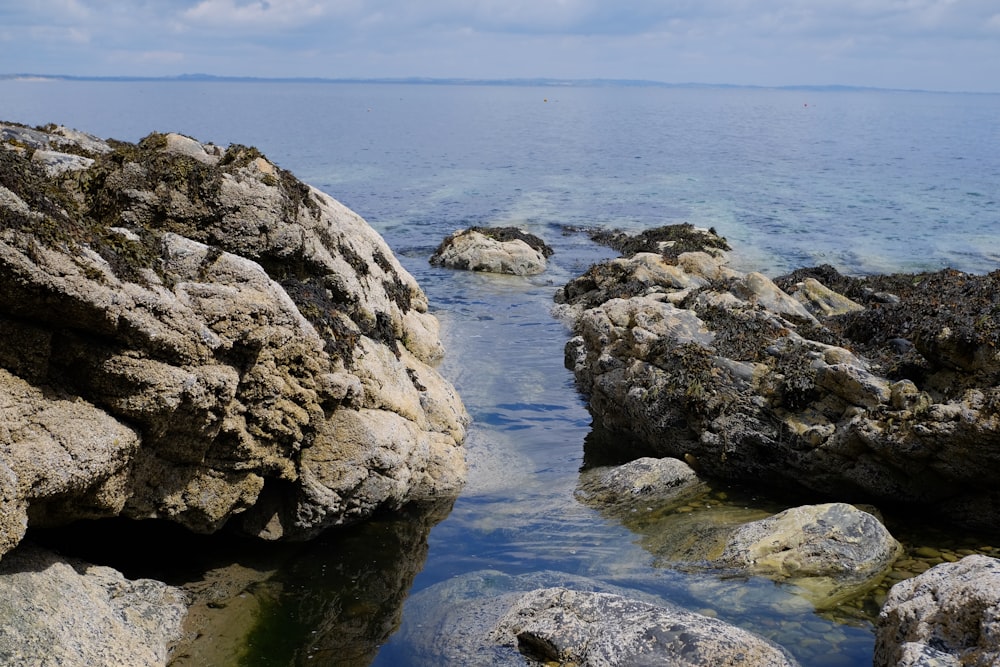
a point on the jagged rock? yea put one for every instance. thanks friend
(832, 551)
(948, 615)
(813, 380)
(238, 347)
(493, 250)
(74, 614)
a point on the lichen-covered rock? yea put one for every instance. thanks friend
(238, 347)
(493, 250)
(78, 615)
(832, 551)
(866, 389)
(951, 612)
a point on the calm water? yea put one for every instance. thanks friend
(866, 181)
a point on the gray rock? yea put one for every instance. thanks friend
(78, 615)
(645, 481)
(490, 618)
(948, 615)
(603, 630)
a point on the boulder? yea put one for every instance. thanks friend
(491, 618)
(948, 615)
(603, 629)
(493, 250)
(832, 551)
(863, 389)
(58, 612)
(645, 481)
(193, 334)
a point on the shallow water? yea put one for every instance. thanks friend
(867, 181)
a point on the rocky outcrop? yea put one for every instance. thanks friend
(949, 615)
(69, 613)
(642, 481)
(493, 250)
(881, 389)
(193, 334)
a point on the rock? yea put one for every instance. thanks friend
(587, 628)
(237, 347)
(544, 617)
(832, 551)
(810, 380)
(646, 481)
(70, 613)
(948, 615)
(493, 250)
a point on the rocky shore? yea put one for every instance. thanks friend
(193, 335)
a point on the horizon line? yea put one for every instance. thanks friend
(540, 82)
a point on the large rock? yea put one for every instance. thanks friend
(490, 618)
(880, 389)
(493, 250)
(193, 334)
(602, 629)
(832, 551)
(948, 615)
(78, 615)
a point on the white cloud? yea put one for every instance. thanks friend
(260, 13)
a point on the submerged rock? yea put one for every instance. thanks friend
(881, 389)
(832, 551)
(948, 615)
(493, 250)
(236, 347)
(490, 618)
(58, 612)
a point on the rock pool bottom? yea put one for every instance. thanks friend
(372, 594)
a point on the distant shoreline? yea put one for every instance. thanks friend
(536, 82)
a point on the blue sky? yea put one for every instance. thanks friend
(927, 44)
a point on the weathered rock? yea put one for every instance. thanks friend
(490, 618)
(644, 481)
(831, 551)
(847, 393)
(602, 629)
(948, 615)
(78, 615)
(238, 347)
(493, 250)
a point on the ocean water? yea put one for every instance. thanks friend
(868, 181)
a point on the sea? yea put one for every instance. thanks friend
(869, 181)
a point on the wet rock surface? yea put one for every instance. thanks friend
(492, 618)
(493, 250)
(880, 389)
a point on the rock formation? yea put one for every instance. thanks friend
(493, 250)
(879, 389)
(949, 615)
(191, 333)
(59, 613)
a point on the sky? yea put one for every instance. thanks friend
(950, 45)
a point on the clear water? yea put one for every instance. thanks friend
(867, 181)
